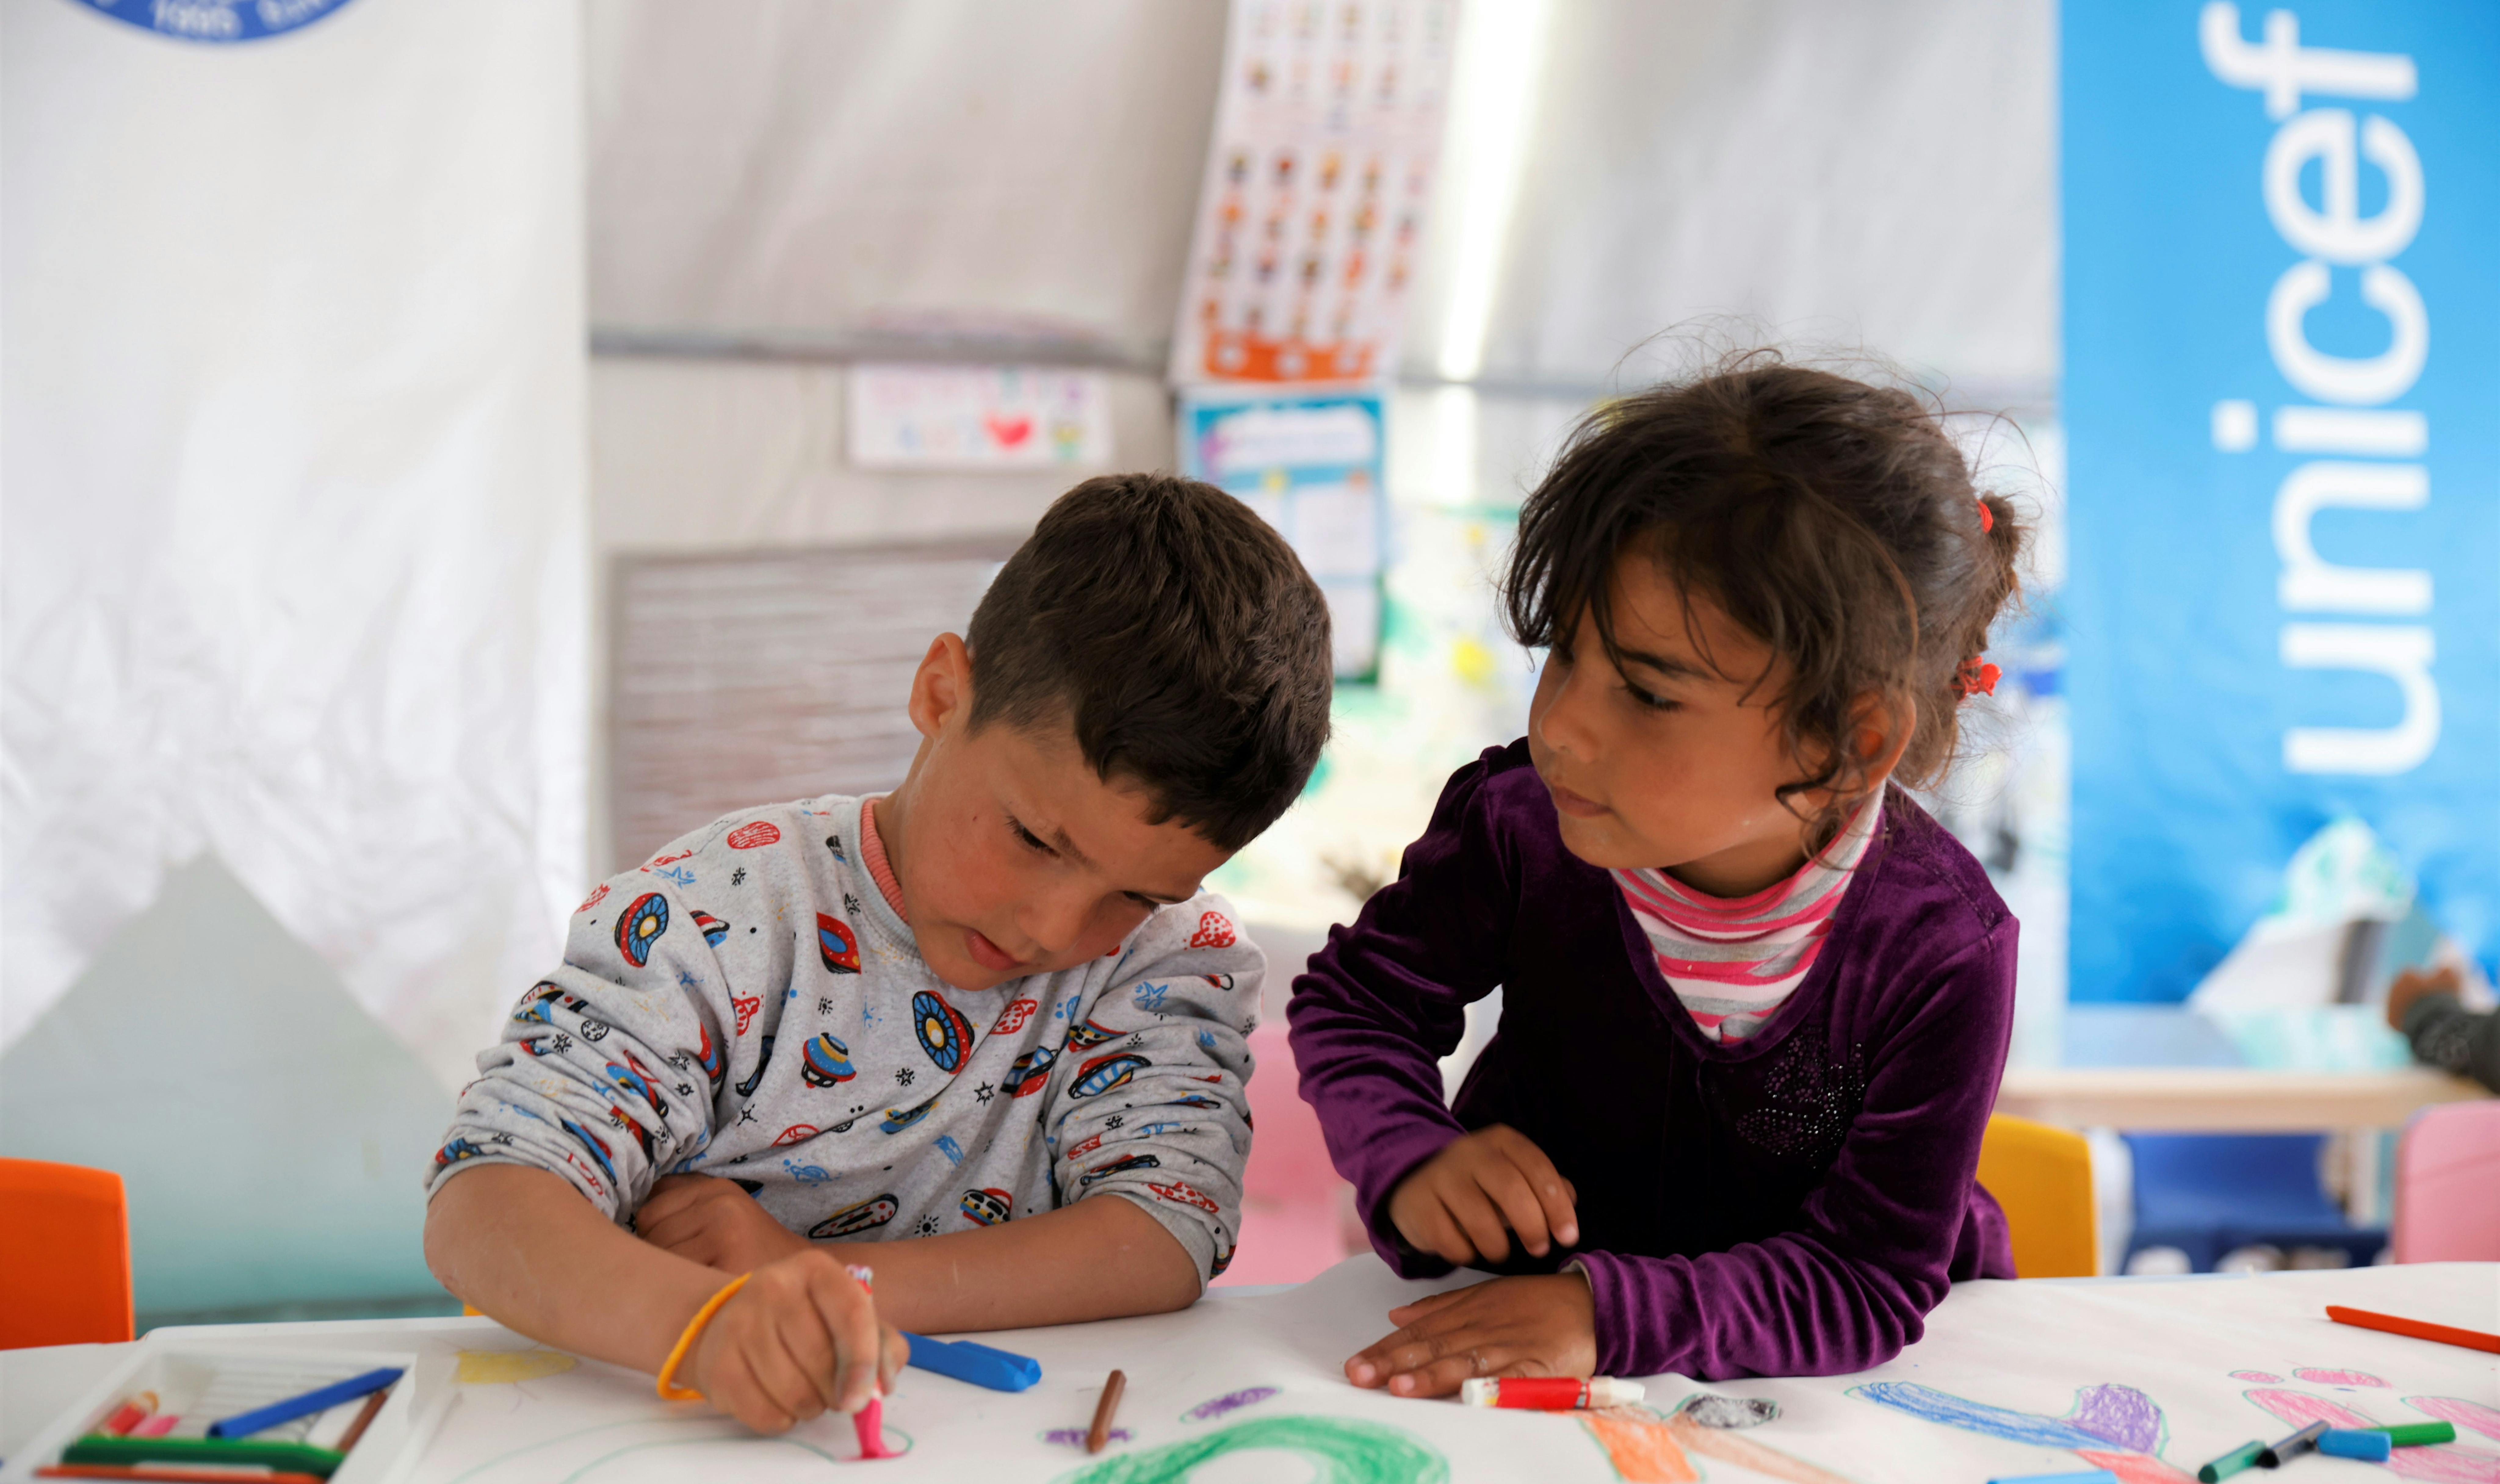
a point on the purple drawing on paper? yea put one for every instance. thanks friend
(2317, 1377)
(1074, 1437)
(1230, 1402)
(2267, 1376)
(2118, 1414)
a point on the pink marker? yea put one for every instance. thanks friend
(869, 1420)
(1549, 1393)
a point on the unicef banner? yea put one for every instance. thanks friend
(2283, 395)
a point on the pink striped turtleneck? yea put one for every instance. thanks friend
(1734, 961)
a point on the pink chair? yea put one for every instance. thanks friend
(1297, 1211)
(2448, 1185)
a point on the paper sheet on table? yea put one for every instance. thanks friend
(2149, 1378)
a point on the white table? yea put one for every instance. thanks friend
(2172, 1372)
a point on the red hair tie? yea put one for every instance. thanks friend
(1987, 518)
(1976, 677)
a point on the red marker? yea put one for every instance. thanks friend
(1549, 1393)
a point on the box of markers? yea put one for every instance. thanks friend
(187, 1409)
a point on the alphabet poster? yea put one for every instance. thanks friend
(1328, 130)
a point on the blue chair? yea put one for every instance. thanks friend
(2207, 1194)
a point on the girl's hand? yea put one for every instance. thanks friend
(1544, 1325)
(1456, 1204)
(716, 1223)
(801, 1338)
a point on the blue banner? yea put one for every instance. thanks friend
(2282, 396)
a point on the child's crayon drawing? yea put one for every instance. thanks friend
(1074, 1437)
(2112, 1426)
(1338, 1449)
(2464, 1415)
(2317, 1377)
(1646, 1447)
(2436, 1465)
(489, 1367)
(1637, 1443)
(2121, 1415)
(1229, 1402)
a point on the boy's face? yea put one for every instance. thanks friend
(1674, 762)
(1014, 858)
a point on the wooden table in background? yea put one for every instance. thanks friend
(2225, 1099)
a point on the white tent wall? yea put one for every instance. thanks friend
(771, 190)
(294, 631)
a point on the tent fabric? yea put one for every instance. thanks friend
(294, 501)
(831, 168)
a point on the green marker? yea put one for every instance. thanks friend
(2416, 1435)
(174, 1452)
(2245, 1456)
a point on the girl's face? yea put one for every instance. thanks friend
(1668, 762)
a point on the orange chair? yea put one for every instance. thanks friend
(64, 1255)
(2043, 1177)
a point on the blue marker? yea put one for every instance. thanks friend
(977, 1364)
(321, 1400)
(2355, 1442)
(2083, 1477)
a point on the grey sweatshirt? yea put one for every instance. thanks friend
(747, 1004)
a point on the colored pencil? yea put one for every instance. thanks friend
(174, 1475)
(1101, 1432)
(2393, 1324)
(364, 1419)
(320, 1399)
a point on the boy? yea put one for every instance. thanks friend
(949, 1022)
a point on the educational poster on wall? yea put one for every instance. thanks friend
(1313, 466)
(2282, 399)
(978, 417)
(1326, 133)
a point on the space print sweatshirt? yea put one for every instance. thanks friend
(748, 1006)
(1791, 1204)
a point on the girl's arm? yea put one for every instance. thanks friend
(1845, 1290)
(1853, 1284)
(1386, 1000)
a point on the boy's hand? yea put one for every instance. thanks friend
(1545, 1324)
(1457, 1203)
(715, 1223)
(800, 1340)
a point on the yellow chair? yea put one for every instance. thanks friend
(2043, 1179)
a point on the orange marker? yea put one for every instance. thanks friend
(2447, 1335)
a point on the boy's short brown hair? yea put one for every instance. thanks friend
(1178, 635)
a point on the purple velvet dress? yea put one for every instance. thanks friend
(1790, 1205)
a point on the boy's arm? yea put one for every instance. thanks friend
(799, 1338)
(1148, 1101)
(1092, 1260)
(520, 1244)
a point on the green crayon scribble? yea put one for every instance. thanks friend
(1340, 1450)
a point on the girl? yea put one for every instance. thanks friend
(1756, 1001)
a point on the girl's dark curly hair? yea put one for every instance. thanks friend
(1833, 520)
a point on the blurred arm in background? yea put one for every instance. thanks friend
(2444, 1033)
